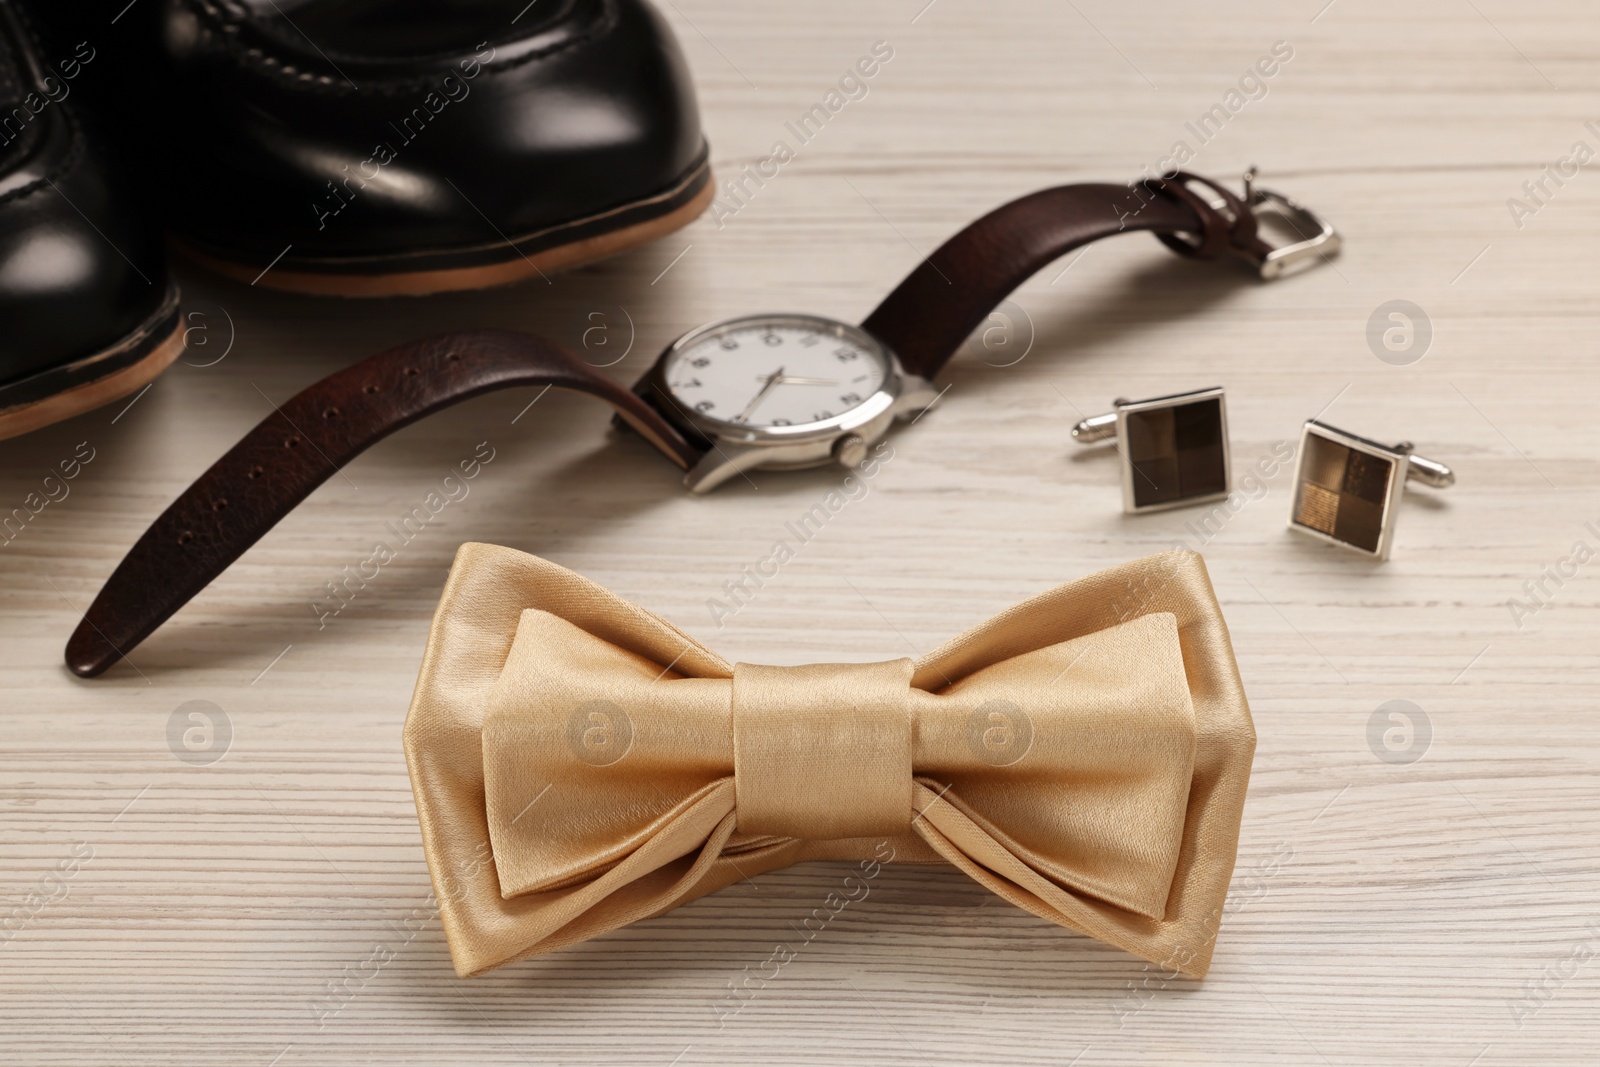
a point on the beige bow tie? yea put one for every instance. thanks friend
(580, 764)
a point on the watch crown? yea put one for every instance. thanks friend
(850, 450)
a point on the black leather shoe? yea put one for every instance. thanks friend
(87, 314)
(380, 147)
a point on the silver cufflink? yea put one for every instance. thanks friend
(1347, 489)
(1174, 449)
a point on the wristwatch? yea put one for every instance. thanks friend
(759, 392)
(775, 392)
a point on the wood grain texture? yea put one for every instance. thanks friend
(1383, 913)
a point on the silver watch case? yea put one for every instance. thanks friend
(844, 439)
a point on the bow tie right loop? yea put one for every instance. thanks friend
(823, 751)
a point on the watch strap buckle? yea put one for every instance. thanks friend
(1318, 240)
(1232, 223)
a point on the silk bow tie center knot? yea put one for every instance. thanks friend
(823, 751)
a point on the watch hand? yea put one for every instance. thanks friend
(767, 383)
(808, 381)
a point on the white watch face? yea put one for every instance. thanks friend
(775, 371)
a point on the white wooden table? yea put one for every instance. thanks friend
(1440, 911)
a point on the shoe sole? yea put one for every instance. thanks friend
(94, 381)
(559, 247)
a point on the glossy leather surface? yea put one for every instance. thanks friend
(81, 266)
(380, 127)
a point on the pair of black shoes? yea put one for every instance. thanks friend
(346, 147)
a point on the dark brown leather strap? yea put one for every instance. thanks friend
(950, 293)
(304, 443)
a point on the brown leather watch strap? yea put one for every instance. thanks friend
(950, 293)
(304, 443)
(924, 320)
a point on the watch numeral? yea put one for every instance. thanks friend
(771, 339)
(729, 343)
(850, 398)
(819, 416)
(700, 362)
(704, 406)
(847, 355)
(810, 340)
(781, 422)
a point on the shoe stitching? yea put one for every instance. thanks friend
(18, 151)
(216, 26)
(74, 154)
(76, 140)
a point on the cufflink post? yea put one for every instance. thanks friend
(1097, 428)
(1427, 471)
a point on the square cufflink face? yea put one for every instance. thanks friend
(1347, 489)
(1174, 450)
